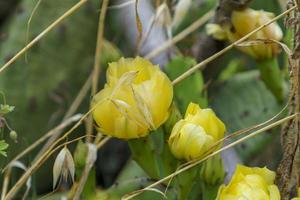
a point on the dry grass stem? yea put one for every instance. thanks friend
(61, 126)
(5, 183)
(102, 142)
(28, 25)
(193, 27)
(43, 33)
(97, 59)
(44, 157)
(72, 109)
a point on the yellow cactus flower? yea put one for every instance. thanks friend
(242, 23)
(297, 198)
(135, 99)
(250, 183)
(192, 136)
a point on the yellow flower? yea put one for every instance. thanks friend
(297, 198)
(192, 136)
(242, 23)
(135, 99)
(250, 183)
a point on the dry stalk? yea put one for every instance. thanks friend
(43, 158)
(193, 27)
(60, 127)
(102, 142)
(28, 25)
(42, 34)
(5, 183)
(97, 57)
(72, 109)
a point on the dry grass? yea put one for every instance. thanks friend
(94, 79)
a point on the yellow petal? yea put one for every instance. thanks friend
(274, 192)
(250, 183)
(135, 100)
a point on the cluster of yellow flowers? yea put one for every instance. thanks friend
(136, 99)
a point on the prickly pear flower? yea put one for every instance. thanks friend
(245, 21)
(250, 183)
(297, 198)
(135, 100)
(194, 135)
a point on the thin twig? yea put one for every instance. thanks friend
(99, 46)
(90, 160)
(72, 109)
(44, 157)
(102, 142)
(97, 59)
(5, 183)
(193, 27)
(43, 33)
(28, 25)
(196, 162)
(218, 54)
(61, 126)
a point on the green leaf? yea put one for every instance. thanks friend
(244, 101)
(3, 147)
(192, 88)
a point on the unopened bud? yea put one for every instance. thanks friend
(13, 135)
(212, 170)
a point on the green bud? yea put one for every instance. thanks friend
(13, 135)
(212, 170)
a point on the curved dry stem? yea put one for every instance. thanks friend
(202, 64)
(43, 33)
(97, 59)
(5, 183)
(72, 109)
(61, 126)
(198, 161)
(69, 142)
(102, 142)
(44, 157)
(99, 46)
(193, 27)
(28, 25)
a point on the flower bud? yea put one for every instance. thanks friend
(13, 135)
(212, 170)
(245, 21)
(194, 135)
(250, 183)
(135, 100)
